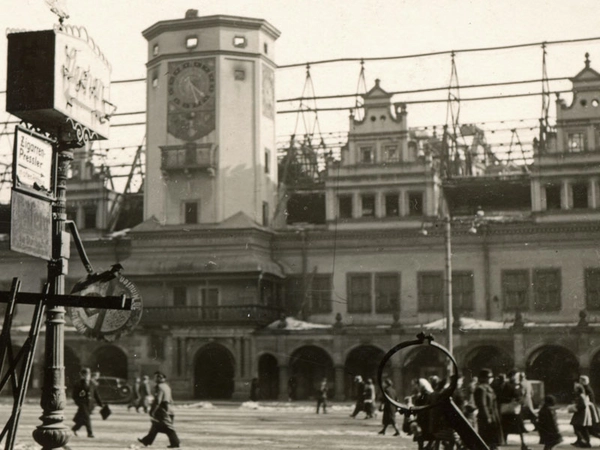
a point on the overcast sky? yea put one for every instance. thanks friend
(314, 30)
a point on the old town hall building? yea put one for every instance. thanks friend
(236, 286)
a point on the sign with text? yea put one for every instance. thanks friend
(32, 162)
(59, 81)
(31, 226)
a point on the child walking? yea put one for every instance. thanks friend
(548, 425)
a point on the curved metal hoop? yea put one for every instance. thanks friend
(422, 339)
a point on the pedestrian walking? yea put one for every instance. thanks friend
(135, 398)
(488, 417)
(161, 414)
(145, 394)
(322, 396)
(369, 398)
(527, 412)
(547, 424)
(421, 427)
(388, 408)
(510, 408)
(360, 389)
(581, 420)
(85, 396)
(584, 380)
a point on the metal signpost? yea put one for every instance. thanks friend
(58, 83)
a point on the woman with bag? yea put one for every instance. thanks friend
(510, 408)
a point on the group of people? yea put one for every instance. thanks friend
(86, 397)
(142, 394)
(365, 397)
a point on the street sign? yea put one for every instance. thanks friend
(31, 226)
(103, 324)
(33, 162)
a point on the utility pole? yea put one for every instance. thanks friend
(448, 281)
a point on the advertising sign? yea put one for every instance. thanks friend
(106, 324)
(31, 226)
(59, 81)
(32, 162)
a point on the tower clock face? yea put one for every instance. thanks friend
(191, 98)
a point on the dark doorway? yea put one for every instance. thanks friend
(308, 366)
(489, 357)
(363, 361)
(557, 368)
(72, 367)
(213, 373)
(268, 377)
(110, 361)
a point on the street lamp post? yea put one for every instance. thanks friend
(448, 281)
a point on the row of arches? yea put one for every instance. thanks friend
(213, 368)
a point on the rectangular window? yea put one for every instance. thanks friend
(387, 292)
(580, 195)
(576, 142)
(89, 217)
(320, 294)
(294, 294)
(359, 293)
(462, 291)
(391, 153)
(210, 303)
(179, 296)
(345, 206)
(515, 289)
(190, 212)
(415, 203)
(392, 208)
(553, 197)
(430, 291)
(547, 287)
(592, 289)
(265, 213)
(366, 155)
(368, 206)
(156, 347)
(267, 160)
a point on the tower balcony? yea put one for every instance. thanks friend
(258, 315)
(187, 157)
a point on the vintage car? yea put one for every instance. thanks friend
(114, 390)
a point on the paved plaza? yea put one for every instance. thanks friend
(231, 425)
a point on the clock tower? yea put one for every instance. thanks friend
(211, 149)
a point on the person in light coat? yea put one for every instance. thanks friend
(581, 420)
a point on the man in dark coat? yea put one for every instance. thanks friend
(85, 396)
(388, 408)
(360, 387)
(161, 414)
(488, 418)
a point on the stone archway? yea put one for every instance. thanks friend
(557, 368)
(489, 357)
(364, 361)
(214, 370)
(308, 366)
(72, 367)
(268, 377)
(110, 361)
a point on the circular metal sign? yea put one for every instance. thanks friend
(106, 324)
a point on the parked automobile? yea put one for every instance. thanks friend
(114, 390)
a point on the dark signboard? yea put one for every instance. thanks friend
(58, 81)
(31, 226)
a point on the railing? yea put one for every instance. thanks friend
(235, 314)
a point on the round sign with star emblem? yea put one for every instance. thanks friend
(106, 324)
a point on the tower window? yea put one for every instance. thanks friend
(191, 42)
(240, 41)
(415, 203)
(576, 142)
(580, 195)
(265, 213)
(239, 75)
(345, 206)
(267, 160)
(154, 82)
(191, 212)
(266, 48)
(155, 50)
(553, 197)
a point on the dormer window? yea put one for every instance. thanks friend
(576, 142)
(240, 41)
(366, 155)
